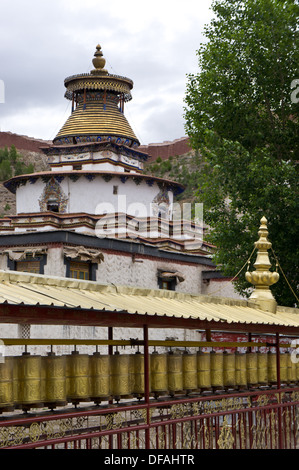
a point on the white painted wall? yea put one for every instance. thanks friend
(90, 332)
(217, 288)
(27, 197)
(68, 161)
(94, 197)
(122, 270)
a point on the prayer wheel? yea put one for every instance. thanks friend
(252, 369)
(284, 368)
(77, 372)
(229, 369)
(217, 370)
(67, 375)
(189, 372)
(6, 384)
(54, 368)
(175, 373)
(297, 368)
(291, 369)
(120, 380)
(137, 376)
(159, 379)
(99, 367)
(29, 381)
(204, 370)
(272, 368)
(262, 368)
(15, 380)
(241, 372)
(43, 380)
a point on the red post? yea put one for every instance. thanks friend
(278, 361)
(279, 410)
(110, 352)
(146, 385)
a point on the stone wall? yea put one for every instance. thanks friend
(167, 149)
(21, 142)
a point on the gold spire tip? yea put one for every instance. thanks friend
(262, 278)
(99, 61)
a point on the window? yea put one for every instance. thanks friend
(53, 205)
(80, 270)
(77, 167)
(166, 285)
(28, 266)
(32, 264)
(115, 189)
(166, 280)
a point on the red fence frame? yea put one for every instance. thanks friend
(263, 419)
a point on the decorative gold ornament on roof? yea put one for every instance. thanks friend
(98, 101)
(262, 278)
(99, 62)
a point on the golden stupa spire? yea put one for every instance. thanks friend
(98, 101)
(262, 278)
(99, 62)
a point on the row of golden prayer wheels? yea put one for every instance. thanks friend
(34, 381)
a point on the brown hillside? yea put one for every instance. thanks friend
(29, 148)
(22, 142)
(167, 149)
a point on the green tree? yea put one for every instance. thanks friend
(13, 154)
(4, 153)
(5, 170)
(240, 114)
(12, 164)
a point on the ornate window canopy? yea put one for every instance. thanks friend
(53, 197)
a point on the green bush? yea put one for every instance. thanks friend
(12, 164)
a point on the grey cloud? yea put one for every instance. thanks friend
(43, 42)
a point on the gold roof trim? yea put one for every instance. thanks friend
(112, 84)
(34, 289)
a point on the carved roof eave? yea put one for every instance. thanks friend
(13, 183)
(93, 147)
(114, 83)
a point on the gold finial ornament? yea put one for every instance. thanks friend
(262, 278)
(99, 62)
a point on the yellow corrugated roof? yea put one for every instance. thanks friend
(34, 289)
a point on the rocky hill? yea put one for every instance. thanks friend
(29, 148)
(22, 142)
(167, 149)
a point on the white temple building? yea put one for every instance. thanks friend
(95, 215)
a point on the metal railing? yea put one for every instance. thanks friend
(261, 419)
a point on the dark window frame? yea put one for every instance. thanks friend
(92, 268)
(12, 264)
(171, 281)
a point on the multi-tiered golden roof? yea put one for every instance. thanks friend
(97, 107)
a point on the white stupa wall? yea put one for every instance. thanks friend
(94, 197)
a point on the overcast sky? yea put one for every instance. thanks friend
(153, 43)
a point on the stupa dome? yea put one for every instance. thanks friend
(97, 107)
